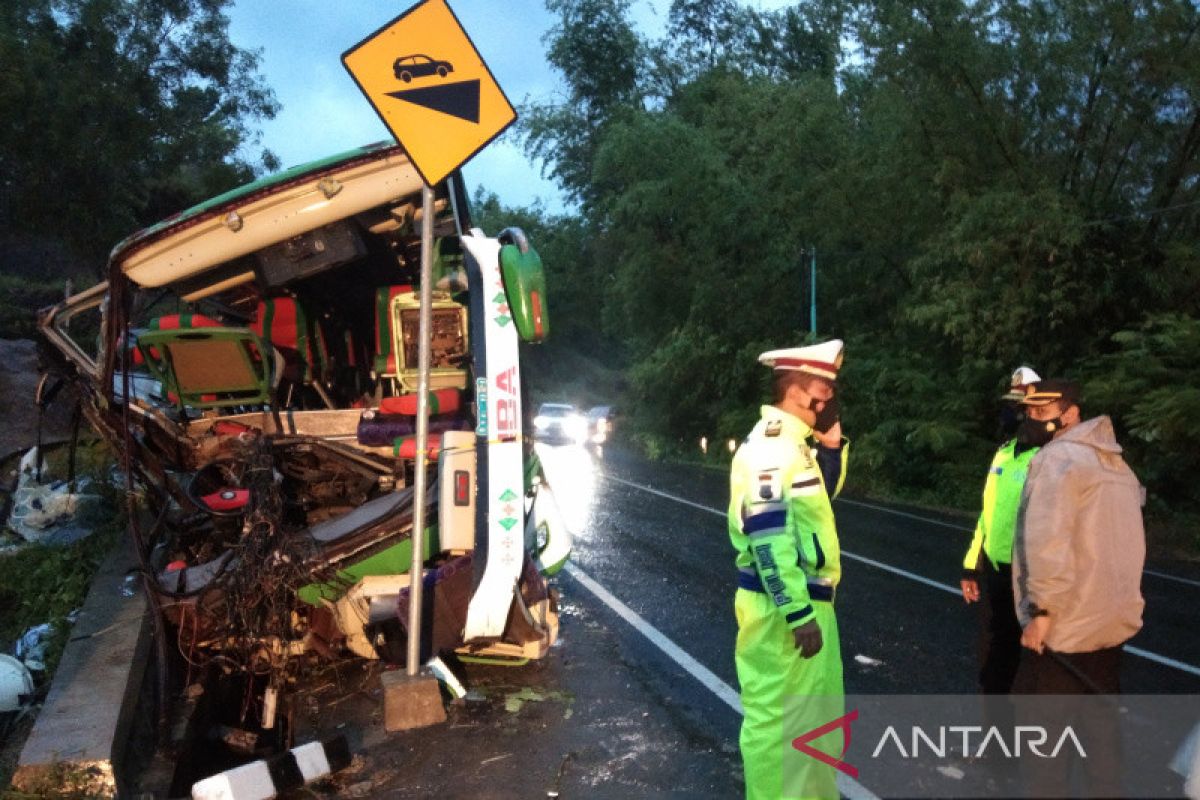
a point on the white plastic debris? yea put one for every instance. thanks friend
(867, 661)
(43, 512)
(31, 647)
(952, 772)
(16, 684)
(448, 678)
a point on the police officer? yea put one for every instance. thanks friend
(781, 525)
(989, 558)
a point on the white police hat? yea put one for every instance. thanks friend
(823, 360)
(1021, 377)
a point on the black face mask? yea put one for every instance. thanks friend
(1035, 433)
(827, 417)
(1009, 421)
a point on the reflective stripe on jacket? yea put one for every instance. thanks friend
(1001, 499)
(780, 520)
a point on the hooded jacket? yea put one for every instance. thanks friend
(1080, 546)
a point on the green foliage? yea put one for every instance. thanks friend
(118, 113)
(576, 276)
(983, 185)
(1151, 385)
(40, 583)
(595, 47)
(20, 298)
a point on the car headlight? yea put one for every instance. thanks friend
(575, 426)
(540, 423)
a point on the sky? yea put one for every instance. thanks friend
(324, 113)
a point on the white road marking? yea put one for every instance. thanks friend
(697, 670)
(1165, 661)
(847, 786)
(912, 576)
(663, 494)
(952, 526)
(945, 587)
(1176, 578)
(919, 518)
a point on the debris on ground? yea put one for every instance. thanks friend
(45, 512)
(867, 661)
(514, 700)
(31, 647)
(16, 684)
(446, 676)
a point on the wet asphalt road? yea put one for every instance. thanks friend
(671, 562)
(611, 716)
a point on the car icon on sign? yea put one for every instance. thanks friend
(420, 66)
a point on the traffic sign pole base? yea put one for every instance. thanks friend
(411, 701)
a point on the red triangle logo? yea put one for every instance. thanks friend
(801, 743)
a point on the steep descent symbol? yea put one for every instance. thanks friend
(456, 99)
(430, 86)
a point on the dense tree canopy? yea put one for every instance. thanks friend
(984, 184)
(117, 113)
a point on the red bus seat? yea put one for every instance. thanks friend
(286, 325)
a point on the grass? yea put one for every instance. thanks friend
(44, 584)
(62, 781)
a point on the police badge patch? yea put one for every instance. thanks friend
(774, 427)
(769, 485)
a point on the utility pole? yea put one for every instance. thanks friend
(812, 285)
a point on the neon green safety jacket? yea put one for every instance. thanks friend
(1001, 500)
(780, 520)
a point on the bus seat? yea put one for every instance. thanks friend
(385, 354)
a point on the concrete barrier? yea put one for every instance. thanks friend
(81, 731)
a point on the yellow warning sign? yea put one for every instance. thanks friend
(431, 88)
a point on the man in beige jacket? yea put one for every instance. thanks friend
(1079, 549)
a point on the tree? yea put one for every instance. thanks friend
(984, 183)
(119, 112)
(1151, 386)
(600, 57)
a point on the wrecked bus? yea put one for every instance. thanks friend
(255, 370)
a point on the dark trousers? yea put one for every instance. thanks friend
(1095, 672)
(1093, 677)
(999, 631)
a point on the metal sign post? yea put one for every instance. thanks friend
(426, 80)
(416, 571)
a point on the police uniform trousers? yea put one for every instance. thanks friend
(770, 671)
(1000, 631)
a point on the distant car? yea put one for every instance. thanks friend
(600, 424)
(560, 422)
(420, 66)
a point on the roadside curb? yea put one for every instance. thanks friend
(82, 729)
